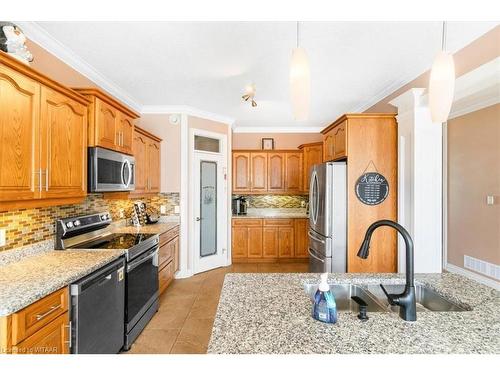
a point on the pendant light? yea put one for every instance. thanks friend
(442, 83)
(300, 82)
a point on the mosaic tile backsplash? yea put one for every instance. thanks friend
(276, 201)
(28, 226)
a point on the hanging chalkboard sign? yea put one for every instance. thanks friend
(372, 188)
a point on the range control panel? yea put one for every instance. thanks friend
(88, 221)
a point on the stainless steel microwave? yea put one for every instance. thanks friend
(110, 171)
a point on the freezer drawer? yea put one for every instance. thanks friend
(318, 263)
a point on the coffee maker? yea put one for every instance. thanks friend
(239, 206)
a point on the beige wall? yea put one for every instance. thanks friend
(282, 141)
(474, 173)
(477, 53)
(159, 125)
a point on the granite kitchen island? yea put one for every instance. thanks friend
(271, 314)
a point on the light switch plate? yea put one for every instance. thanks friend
(163, 209)
(177, 209)
(490, 200)
(2, 237)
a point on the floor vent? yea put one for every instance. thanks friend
(480, 266)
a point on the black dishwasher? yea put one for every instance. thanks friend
(98, 311)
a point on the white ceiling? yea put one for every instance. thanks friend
(206, 65)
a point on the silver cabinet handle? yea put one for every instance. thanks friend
(46, 180)
(69, 326)
(40, 180)
(316, 238)
(52, 309)
(314, 256)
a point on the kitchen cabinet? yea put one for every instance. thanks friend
(258, 171)
(40, 328)
(267, 240)
(368, 141)
(147, 154)
(43, 137)
(312, 154)
(276, 171)
(301, 227)
(168, 258)
(111, 124)
(293, 171)
(241, 172)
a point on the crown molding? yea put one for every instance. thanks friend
(262, 130)
(188, 110)
(40, 36)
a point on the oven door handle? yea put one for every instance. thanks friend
(315, 257)
(132, 265)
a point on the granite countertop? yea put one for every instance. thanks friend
(274, 213)
(270, 313)
(29, 276)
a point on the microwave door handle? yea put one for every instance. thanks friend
(126, 164)
(129, 167)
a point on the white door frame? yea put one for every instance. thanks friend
(222, 224)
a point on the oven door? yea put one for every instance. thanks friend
(110, 171)
(141, 286)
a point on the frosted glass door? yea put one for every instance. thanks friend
(208, 208)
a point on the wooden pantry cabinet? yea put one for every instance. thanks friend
(147, 153)
(111, 124)
(43, 127)
(268, 240)
(41, 328)
(267, 172)
(312, 154)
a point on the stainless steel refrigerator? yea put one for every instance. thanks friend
(328, 217)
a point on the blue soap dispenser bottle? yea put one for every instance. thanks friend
(324, 308)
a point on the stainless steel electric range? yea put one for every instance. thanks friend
(141, 276)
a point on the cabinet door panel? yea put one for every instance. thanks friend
(301, 240)
(241, 171)
(154, 167)
(312, 155)
(141, 162)
(258, 171)
(239, 242)
(286, 242)
(276, 172)
(19, 136)
(126, 129)
(340, 141)
(328, 147)
(293, 170)
(63, 124)
(270, 242)
(106, 125)
(254, 242)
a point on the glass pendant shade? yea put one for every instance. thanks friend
(300, 84)
(441, 87)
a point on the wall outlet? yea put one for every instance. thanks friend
(177, 210)
(122, 213)
(302, 204)
(163, 209)
(490, 200)
(2, 237)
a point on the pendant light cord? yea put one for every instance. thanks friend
(297, 38)
(443, 37)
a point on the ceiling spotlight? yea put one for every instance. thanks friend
(250, 95)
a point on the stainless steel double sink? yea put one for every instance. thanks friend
(373, 295)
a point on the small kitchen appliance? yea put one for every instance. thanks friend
(239, 206)
(110, 171)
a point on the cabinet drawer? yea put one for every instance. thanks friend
(169, 235)
(32, 318)
(165, 276)
(166, 252)
(278, 222)
(247, 222)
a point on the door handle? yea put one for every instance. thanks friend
(314, 256)
(46, 180)
(316, 238)
(198, 218)
(52, 308)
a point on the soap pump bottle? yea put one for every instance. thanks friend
(324, 308)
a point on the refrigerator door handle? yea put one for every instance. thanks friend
(314, 196)
(316, 238)
(314, 256)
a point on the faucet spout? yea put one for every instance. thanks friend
(406, 300)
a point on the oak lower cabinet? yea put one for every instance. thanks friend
(43, 130)
(168, 258)
(147, 154)
(40, 328)
(111, 124)
(268, 240)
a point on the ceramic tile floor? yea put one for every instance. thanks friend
(183, 323)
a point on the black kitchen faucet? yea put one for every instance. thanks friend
(406, 300)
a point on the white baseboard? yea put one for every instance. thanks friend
(472, 275)
(183, 274)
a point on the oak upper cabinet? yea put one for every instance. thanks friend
(258, 171)
(20, 132)
(241, 172)
(276, 171)
(328, 147)
(63, 134)
(111, 124)
(293, 171)
(312, 154)
(301, 238)
(335, 141)
(43, 145)
(147, 154)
